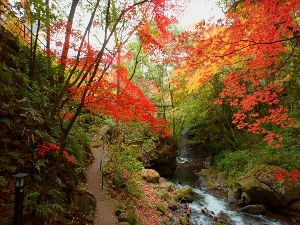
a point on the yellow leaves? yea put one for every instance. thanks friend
(202, 75)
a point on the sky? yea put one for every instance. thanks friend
(200, 9)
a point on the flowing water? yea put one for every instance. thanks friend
(190, 160)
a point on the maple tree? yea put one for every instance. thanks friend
(254, 45)
(85, 65)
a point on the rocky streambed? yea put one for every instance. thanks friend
(255, 199)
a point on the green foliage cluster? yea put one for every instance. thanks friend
(26, 122)
(123, 166)
(237, 163)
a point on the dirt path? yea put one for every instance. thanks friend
(105, 204)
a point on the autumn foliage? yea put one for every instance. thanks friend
(118, 97)
(252, 47)
(46, 148)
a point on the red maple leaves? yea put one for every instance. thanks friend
(118, 97)
(45, 148)
(293, 175)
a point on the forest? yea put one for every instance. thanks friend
(112, 113)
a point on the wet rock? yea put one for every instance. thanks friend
(233, 196)
(254, 209)
(222, 219)
(151, 176)
(262, 187)
(184, 194)
(207, 213)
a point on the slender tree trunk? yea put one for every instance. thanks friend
(64, 55)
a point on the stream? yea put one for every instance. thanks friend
(190, 160)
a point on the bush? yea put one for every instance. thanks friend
(237, 163)
(123, 166)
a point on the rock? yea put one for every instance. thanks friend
(222, 219)
(164, 159)
(166, 185)
(204, 172)
(128, 216)
(166, 196)
(254, 209)
(184, 194)
(184, 219)
(232, 196)
(245, 199)
(173, 206)
(151, 176)
(124, 223)
(262, 187)
(162, 208)
(207, 213)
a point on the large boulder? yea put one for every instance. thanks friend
(164, 159)
(262, 187)
(151, 176)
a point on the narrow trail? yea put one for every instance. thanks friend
(105, 209)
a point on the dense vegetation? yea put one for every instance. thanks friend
(233, 83)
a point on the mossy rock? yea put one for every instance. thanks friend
(162, 208)
(262, 187)
(128, 216)
(185, 194)
(151, 176)
(165, 184)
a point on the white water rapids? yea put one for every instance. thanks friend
(205, 201)
(217, 205)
